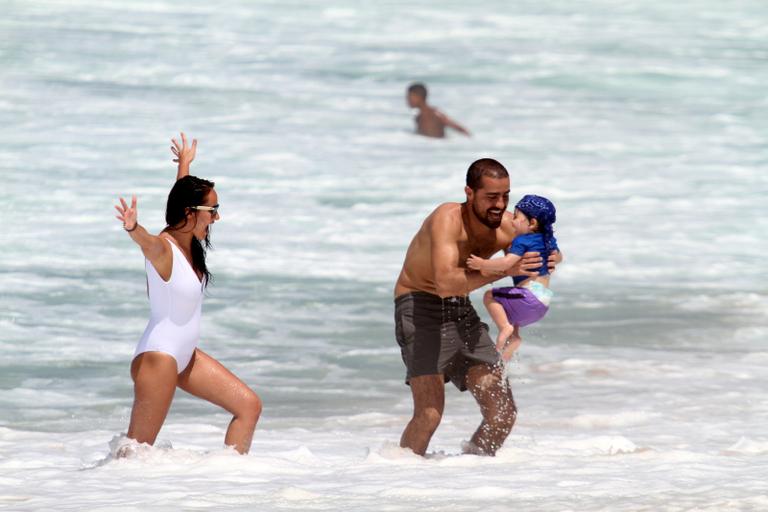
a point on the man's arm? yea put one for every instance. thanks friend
(451, 123)
(450, 279)
(184, 155)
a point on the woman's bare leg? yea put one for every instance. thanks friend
(154, 383)
(208, 379)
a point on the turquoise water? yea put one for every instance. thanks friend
(644, 122)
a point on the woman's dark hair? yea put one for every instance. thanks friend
(187, 192)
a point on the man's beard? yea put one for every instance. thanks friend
(484, 217)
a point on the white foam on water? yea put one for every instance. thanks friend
(749, 447)
(642, 389)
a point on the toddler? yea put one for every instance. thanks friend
(528, 301)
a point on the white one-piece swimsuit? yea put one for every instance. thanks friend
(175, 305)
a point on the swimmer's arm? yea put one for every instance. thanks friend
(450, 279)
(152, 246)
(451, 123)
(184, 155)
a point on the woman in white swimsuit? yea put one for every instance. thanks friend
(167, 355)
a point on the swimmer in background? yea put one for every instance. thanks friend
(430, 122)
(167, 356)
(528, 301)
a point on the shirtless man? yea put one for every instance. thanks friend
(430, 122)
(440, 334)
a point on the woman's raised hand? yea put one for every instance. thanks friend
(184, 153)
(127, 214)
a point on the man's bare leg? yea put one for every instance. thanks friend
(428, 403)
(494, 396)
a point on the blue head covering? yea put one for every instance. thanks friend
(541, 209)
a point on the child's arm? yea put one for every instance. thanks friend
(184, 155)
(451, 123)
(493, 265)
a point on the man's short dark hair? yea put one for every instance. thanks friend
(418, 89)
(484, 167)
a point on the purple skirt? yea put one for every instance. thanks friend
(520, 304)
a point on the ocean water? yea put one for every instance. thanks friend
(646, 122)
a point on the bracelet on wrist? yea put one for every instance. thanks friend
(132, 229)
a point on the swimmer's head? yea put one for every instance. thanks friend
(488, 191)
(417, 94)
(182, 215)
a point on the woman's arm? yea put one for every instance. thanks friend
(184, 155)
(153, 247)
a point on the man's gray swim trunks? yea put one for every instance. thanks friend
(441, 336)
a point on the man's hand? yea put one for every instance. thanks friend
(527, 266)
(555, 257)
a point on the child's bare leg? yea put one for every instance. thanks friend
(499, 317)
(514, 343)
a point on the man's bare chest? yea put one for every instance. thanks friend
(484, 248)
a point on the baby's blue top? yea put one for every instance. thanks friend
(532, 242)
